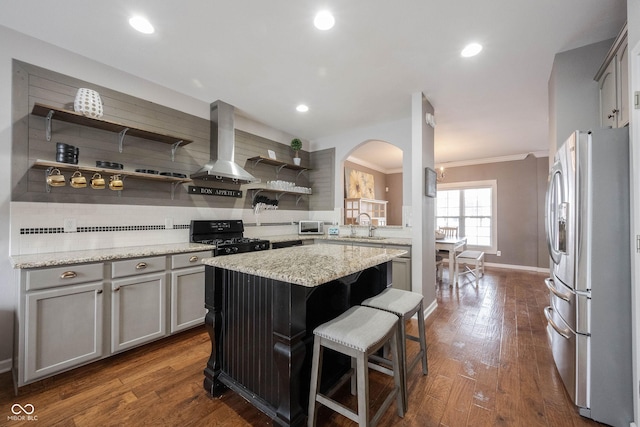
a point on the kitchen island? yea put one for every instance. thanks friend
(263, 307)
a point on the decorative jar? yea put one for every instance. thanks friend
(88, 102)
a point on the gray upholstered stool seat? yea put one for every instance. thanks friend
(357, 333)
(470, 257)
(403, 304)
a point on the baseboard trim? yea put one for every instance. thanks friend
(430, 309)
(513, 267)
(5, 366)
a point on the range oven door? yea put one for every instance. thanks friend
(560, 220)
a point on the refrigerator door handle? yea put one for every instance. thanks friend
(551, 285)
(565, 333)
(554, 174)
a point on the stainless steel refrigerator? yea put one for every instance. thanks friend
(589, 316)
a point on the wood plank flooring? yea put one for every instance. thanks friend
(489, 365)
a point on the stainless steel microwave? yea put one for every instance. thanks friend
(311, 227)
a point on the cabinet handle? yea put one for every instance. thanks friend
(99, 291)
(69, 275)
(613, 113)
(116, 289)
(193, 259)
(141, 266)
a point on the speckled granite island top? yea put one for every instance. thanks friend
(308, 266)
(97, 255)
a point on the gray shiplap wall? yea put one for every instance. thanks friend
(33, 84)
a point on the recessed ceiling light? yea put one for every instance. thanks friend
(302, 108)
(324, 20)
(472, 49)
(141, 24)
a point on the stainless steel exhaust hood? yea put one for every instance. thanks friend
(221, 166)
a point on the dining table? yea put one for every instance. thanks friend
(451, 245)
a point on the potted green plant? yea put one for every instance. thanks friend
(296, 145)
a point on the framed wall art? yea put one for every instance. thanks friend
(430, 179)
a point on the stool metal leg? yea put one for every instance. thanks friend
(423, 342)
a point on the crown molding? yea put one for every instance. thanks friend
(511, 158)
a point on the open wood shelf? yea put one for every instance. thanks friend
(277, 163)
(80, 119)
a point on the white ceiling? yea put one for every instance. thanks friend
(265, 57)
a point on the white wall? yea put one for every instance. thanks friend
(397, 133)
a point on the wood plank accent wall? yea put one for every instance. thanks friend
(322, 175)
(33, 84)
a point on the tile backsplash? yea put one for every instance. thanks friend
(54, 227)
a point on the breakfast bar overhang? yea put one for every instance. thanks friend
(263, 308)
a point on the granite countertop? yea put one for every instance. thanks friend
(310, 265)
(51, 259)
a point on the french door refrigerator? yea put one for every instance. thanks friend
(589, 316)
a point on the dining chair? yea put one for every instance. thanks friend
(449, 231)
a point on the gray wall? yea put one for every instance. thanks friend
(34, 84)
(573, 93)
(323, 176)
(521, 186)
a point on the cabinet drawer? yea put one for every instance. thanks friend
(130, 267)
(189, 259)
(61, 276)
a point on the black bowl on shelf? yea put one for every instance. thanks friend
(149, 171)
(173, 174)
(108, 165)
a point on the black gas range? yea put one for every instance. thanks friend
(226, 236)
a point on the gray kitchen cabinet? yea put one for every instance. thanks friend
(613, 84)
(138, 302)
(60, 320)
(401, 266)
(187, 290)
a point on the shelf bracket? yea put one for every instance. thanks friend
(298, 198)
(47, 171)
(48, 125)
(121, 138)
(174, 148)
(174, 185)
(278, 169)
(300, 172)
(255, 163)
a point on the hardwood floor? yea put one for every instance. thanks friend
(489, 365)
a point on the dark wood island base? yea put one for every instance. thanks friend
(261, 332)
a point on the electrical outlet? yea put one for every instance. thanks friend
(168, 223)
(70, 225)
(499, 253)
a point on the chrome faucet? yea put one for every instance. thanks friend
(371, 227)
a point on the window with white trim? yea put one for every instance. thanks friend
(472, 207)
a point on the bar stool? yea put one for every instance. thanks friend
(357, 333)
(403, 304)
(470, 257)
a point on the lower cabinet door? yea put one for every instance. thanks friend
(401, 273)
(63, 329)
(187, 298)
(138, 310)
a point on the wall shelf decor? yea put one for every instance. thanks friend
(49, 113)
(48, 166)
(278, 164)
(263, 188)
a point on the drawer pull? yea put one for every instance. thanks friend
(141, 266)
(69, 275)
(99, 291)
(193, 259)
(116, 289)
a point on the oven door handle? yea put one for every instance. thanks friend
(565, 333)
(552, 287)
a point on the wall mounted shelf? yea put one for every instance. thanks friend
(278, 164)
(262, 188)
(48, 166)
(61, 114)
